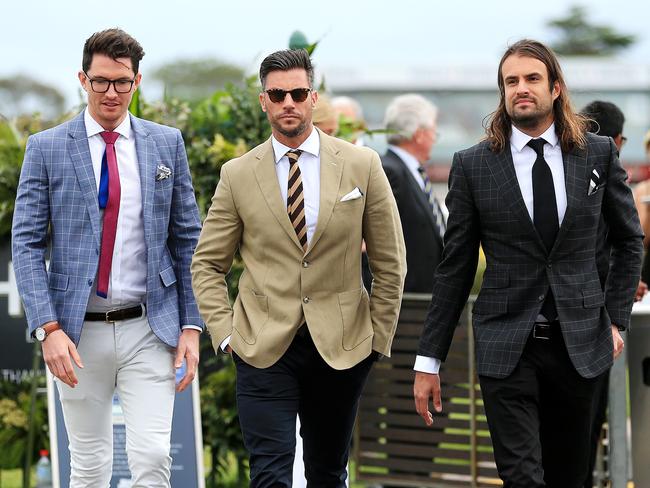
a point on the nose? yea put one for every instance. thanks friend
(522, 86)
(288, 100)
(111, 90)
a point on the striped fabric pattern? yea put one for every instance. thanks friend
(296, 199)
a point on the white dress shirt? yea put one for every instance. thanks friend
(411, 163)
(128, 279)
(309, 164)
(523, 158)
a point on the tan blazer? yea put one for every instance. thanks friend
(281, 285)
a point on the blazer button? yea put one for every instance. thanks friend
(305, 264)
(90, 282)
(306, 300)
(541, 298)
(549, 265)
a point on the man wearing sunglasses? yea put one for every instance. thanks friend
(113, 197)
(303, 332)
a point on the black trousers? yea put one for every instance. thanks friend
(540, 418)
(300, 383)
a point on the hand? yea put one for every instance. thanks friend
(229, 349)
(426, 386)
(618, 342)
(641, 290)
(188, 349)
(57, 351)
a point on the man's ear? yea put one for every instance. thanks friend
(263, 102)
(82, 79)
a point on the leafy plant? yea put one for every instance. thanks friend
(14, 417)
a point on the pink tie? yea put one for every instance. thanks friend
(111, 213)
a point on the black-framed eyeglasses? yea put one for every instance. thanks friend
(297, 94)
(101, 85)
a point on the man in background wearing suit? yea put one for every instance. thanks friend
(411, 120)
(532, 194)
(113, 196)
(303, 331)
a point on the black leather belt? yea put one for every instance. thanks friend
(115, 315)
(545, 330)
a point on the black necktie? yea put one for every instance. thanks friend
(544, 211)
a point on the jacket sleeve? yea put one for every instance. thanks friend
(220, 238)
(382, 232)
(626, 239)
(455, 274)
(184, 229)
(29, 237)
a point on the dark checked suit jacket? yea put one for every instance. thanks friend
(423, 242)
(486, 207)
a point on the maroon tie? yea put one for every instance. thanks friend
(111, 213)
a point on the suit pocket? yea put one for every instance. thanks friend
(592, 299)
(255, 309)
(58, 281)
(168, 276)
(355, 315)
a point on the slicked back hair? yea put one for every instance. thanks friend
(569, 126)
(114, 43)
(286, 60)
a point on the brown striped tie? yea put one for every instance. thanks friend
(295, 198)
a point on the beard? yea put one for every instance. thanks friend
(290, 133)
(530, 119)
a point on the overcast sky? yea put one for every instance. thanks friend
(44, 38)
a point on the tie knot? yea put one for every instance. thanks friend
(538, 146)
(109, 136)
(293, 155)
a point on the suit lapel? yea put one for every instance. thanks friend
(148, 158)
(79, 153)
(503, 170)
(267, 179)
(419, 195)
(576, 177)
(331, 169)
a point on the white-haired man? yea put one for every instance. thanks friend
(411, 120)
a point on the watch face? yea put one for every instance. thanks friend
(40, 334)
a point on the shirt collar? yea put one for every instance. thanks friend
(519, 140)
(411, 161)
(310, 145)
(93, 128)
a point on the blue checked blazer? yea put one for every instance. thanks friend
(56, 207)
(486, 207)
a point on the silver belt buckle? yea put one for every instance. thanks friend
(544, 327)
(108, 321)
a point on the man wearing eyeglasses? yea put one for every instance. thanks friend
(303, 332)
(115, 311)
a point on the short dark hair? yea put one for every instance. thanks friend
(114, 43)
(605, 118)
(286, 60)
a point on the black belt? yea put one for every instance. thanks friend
(115, 315)
(546, 330)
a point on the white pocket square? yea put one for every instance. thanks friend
(353, 195)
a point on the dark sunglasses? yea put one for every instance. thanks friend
(297, 94)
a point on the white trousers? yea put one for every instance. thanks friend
(125, 357)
